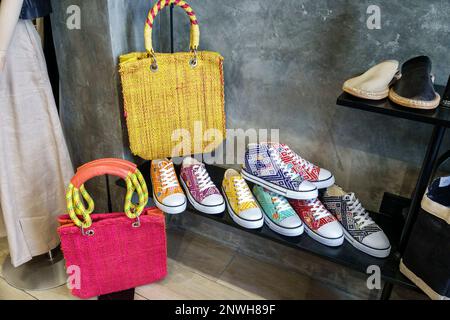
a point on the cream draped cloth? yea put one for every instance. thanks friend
(35, 166)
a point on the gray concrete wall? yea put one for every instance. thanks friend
(285, 62)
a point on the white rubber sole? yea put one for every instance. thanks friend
(170, 209)
(248, 224)
(377, 253)
(331, 242)
(298, 195)
(288, 232)
(371, 95)
(323, 184)
(200, 207)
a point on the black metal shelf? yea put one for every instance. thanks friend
(439, 116)
(345, 255)
(440, 120)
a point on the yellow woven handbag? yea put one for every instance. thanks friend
(174, 102)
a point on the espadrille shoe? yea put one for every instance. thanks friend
(415, 88)
(374, 83)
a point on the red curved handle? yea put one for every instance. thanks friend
(111, 161)
(101, 167)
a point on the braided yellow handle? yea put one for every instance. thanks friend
(195, 31)
(76, 209)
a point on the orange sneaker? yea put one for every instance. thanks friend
(167, 192)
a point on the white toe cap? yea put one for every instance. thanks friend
(251, 214)
(377, 240)
(306, 186)
(324, 174)
(213, 200)
(331, 230)
(174, 200)
(291, 222)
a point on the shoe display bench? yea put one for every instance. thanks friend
(345, 255)
(401, 213)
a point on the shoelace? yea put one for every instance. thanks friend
(305, 164)
(360, 214)
(242, 191)
(317, 209)
(203, 178)
(284, 166)
(168, 176)
(280, 204)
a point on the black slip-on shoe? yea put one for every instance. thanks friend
(415, 88)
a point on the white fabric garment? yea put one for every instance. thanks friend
(35, 166)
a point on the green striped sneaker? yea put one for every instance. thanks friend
(278, 213)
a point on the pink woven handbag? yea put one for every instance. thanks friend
(111, 252)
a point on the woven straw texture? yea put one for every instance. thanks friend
(175, 97)
(117, 256)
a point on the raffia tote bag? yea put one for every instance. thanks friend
(174, 102)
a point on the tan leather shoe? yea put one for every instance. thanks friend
(374, 83)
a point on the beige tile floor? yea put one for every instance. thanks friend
(200, 268)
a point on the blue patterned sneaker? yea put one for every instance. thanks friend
(278, 213)
(264, 166)
(359, 229)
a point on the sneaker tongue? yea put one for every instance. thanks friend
(350, 196)
(236, 178)
(163, 163)
(189, 162)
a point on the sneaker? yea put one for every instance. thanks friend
(319, 223)
(167, 193)
(278, 213)
(319, 177)
(200, 190)
(241, 204)
(359, 229)
(264, 166)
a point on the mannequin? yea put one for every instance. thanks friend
(35, 166)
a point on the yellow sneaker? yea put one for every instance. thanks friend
(241, 204)
(167, 192)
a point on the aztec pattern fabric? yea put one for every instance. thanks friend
(172, 96)
(307, 210)
(230, 190)
(305, 169)
(275, 206)
(164, 180)
(190, 177)
(339, 207)
(261, 161)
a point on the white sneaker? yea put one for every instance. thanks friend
(359, 229)
(167, 193)
(319, 223)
